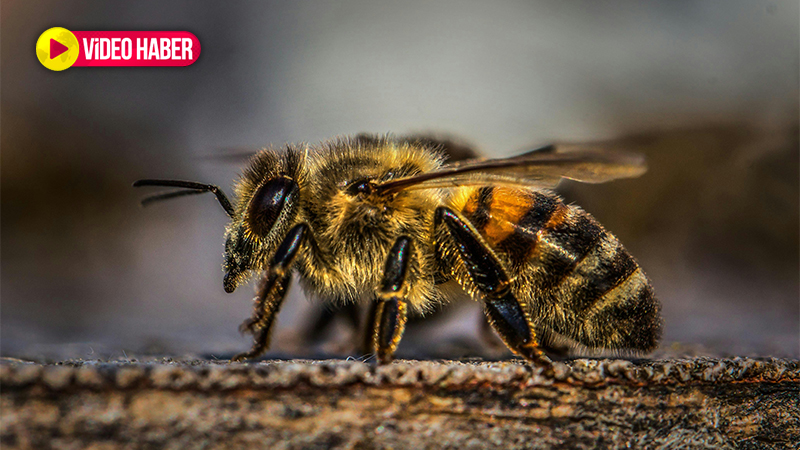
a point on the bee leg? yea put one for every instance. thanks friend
(272, 292)
(327, 315)
(352, 312)
(268, 302)
(368, 342)
(388, 314)
(488, 336)
(503, 310)
(318, 325)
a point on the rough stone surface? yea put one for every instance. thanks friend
(603, 403)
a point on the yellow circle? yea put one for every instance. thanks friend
(62, 37)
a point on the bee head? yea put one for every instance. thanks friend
(267, 204)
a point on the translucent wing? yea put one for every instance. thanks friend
(543, 167)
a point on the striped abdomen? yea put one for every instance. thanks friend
(578, 278)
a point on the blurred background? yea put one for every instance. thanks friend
(707, 90)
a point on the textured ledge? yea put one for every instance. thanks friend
(166, 403)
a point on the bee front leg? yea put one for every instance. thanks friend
(272, 292)
(503, 310)
(388, 314)
(268, 302)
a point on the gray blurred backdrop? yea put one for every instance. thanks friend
(708, 90)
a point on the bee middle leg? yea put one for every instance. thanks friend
(272, 292)
(324, 318)
(389, 311)
(504, 311)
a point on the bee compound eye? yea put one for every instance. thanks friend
(268, 202)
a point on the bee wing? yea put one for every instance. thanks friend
(233, 155)
(542, 168)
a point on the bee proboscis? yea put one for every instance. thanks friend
(383, 221)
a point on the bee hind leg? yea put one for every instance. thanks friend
(504, 312)
(389, 311)
(272, 292)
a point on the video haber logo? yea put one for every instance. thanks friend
(59, 48)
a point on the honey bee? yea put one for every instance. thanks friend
(384, 222)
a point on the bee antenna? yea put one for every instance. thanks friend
(190, 188)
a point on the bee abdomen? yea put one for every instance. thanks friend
(532, 225)
(593, 290)
(608, 302)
